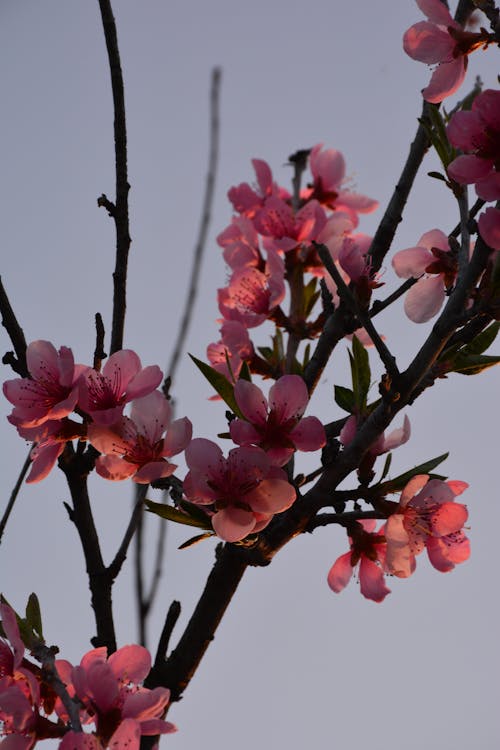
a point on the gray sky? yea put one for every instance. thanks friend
(292, 663)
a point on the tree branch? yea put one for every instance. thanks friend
(16, 335)
(14, 493)
(119, 210)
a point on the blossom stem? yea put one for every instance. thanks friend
(15, 493)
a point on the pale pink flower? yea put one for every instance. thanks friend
(50, 439)
(477, 133)
(52, 390)
(328, 171)
(427, 517)
(241, 244)
(134, 446)
(278, 427)
(243, 491)
(104, 394)
(441, 40)
(384, 443)
(367, 551)
(234, 347)
(248, 201)
(252, 295)
(284, 229)
(112, 698)
(435, 267)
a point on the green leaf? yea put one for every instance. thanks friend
(361, 374)
(172, 514)
(474, 364)
(34, 616)
(437, 176)
(387, 466)
(307, 356)
(482, 341)
(224, 388)
(393, 485)
(344, 397)
(195, 539)
(309, 296)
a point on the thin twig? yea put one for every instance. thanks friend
(464, 252)
(380, 305)
(121, 554)
(204, 225)
(15, 492)
(344, 292)
(173, 614)
(158, 566)
(138, 566)
(99, 353)
(119, 210)
(16, 335)
(46, 656)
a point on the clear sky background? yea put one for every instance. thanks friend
(292, 664)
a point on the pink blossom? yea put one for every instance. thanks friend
(241, 243)
(328, 171)
(278, 427)
(104, 394)
(427, 517)
(234, 347)
(52, 390)
(384, 443)
(477, 133)
(111, 697)
(435, 267)
(441, 40)
(50, 439)
(252, 295)
(248, 201)
(367, 550)
(243, 491)
(134, 446)
(285, 229)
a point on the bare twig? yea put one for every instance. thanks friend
(14, 493)
(119, 210)
(204, 225)
(16, 335)
(99, 353)
(46, 656)
(121, 554)
(173, 614)
(140, 494)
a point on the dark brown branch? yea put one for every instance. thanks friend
(16, 335)
(76, 468)
(118, 210)
(177, 671)
(15, 493)
(173, 614)
(204, 225)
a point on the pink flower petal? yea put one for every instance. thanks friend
(288, 397)
(154, 470)
(144, 382)
(489, 227)
(450, 517)
(411, 262)
(178, 437)
(436, 12)
(113, 468)
(11, 630)
(425, 299)
(251, 401)
(233, 524)
(127, 736)
(488, 188)
(371, 580)
(308, 435)
(445, 80)
(130, 663)
(468, 169)
(340, 573)
(427, 43)
(44, 457)
(271, 496)
(398, 555)
(78, 741)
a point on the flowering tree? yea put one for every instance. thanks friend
(299, 268)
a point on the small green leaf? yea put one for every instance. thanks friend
(172, 514)
(482, 341)
(344, 397)
(361, 374)
(224, 388)
(474, 364)
(437, 176)
(195, 539)
(34, 616)
(387, 466)
(393, 485)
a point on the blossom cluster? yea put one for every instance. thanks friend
(240, 494)
(114, 710)
(426, 517)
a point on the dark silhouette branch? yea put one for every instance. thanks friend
(15, 493)
(118, 210)
(16, 335)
